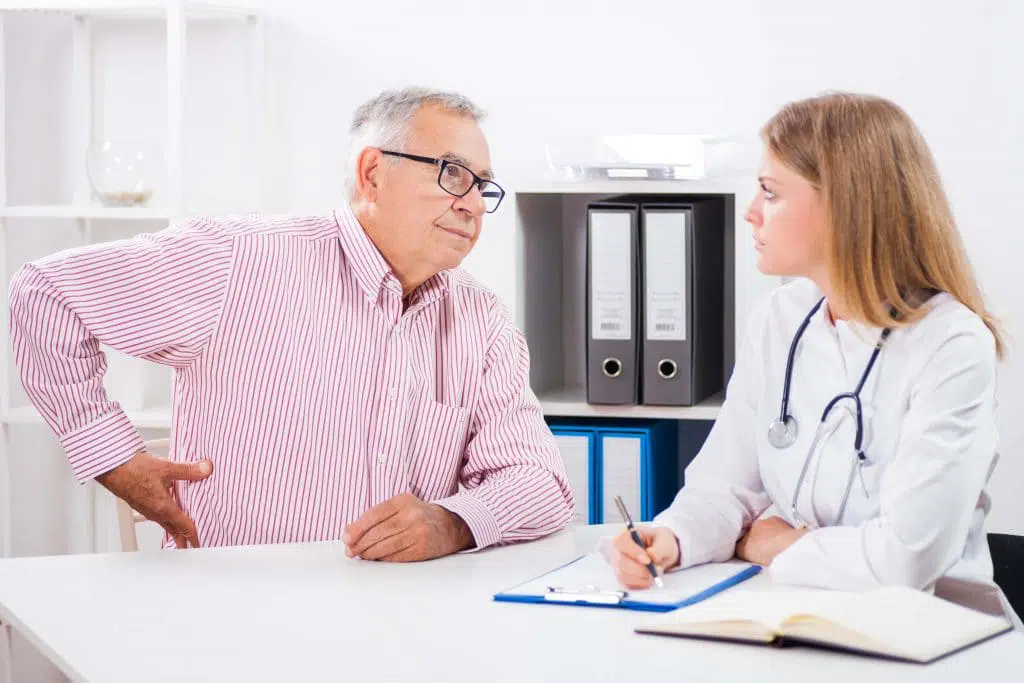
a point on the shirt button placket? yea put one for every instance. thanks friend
(397, 355)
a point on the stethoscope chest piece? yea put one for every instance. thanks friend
(782, 431)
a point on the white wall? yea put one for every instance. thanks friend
(545, 68)
(542, 68)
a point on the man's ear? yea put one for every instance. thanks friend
(368, 170)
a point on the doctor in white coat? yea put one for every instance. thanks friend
(859, 429)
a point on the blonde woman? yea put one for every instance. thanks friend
(859, 429)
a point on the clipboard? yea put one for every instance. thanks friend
(589, 581)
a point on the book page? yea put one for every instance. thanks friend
(912, 623)
(897, 621)
(769, 608)
(593, 572)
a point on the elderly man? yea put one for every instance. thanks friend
(335, 375)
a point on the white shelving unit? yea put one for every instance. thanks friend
(82, 129)
(573, 403)
(86, 212)
(550, 227)
(130, 9)
(143, 388)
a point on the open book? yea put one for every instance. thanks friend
(899, 623)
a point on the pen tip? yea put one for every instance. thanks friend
(658, 582)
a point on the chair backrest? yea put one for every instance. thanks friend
(1008, 568)
(127, 518)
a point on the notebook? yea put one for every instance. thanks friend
(892, 622)
(590, 581)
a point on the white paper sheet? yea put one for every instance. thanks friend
(592, 572)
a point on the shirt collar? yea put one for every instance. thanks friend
(372, 271)
(431, 290)
(849, 330)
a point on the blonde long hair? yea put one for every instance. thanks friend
(892, 234)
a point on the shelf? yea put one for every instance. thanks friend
(572, 403)
(143, 419)
(566, 403)
(137, 9)
(721, 185)
(553, 230)
(85, 211)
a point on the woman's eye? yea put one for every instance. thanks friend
(768, 194)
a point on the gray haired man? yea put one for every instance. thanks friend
(337, 376)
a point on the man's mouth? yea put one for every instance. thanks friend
(458, 233)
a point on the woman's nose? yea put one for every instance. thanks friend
(753, 214)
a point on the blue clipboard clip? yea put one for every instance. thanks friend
(586, 594)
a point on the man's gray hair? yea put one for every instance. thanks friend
(384, 121)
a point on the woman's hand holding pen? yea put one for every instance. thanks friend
(630, 560)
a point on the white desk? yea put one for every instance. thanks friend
(306, 613)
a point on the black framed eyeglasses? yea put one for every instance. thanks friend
(457, 180)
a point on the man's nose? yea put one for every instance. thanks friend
(472, 202)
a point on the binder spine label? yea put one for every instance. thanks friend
(612, 279)
(665, 265)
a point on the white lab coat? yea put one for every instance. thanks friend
(916, 509)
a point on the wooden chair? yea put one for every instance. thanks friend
(127, 518)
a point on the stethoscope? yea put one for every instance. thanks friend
(783, 430)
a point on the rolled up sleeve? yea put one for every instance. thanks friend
(156, 296)
(514, 481)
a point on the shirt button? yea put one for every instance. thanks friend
(381, 458)
(392, 393)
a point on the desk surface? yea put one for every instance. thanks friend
(305, 612)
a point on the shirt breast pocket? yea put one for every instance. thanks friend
(436, 449)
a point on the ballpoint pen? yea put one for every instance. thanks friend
(636, 539)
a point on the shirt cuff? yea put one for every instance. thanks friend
(101, 446)
(790, 566)
(689, 555)
(477, 517)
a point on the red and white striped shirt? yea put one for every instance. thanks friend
(299, 373)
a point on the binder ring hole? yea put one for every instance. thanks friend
(612, 367)
(667, 368)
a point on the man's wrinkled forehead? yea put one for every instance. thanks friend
(459, 139)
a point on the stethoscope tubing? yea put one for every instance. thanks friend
(782, 432)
